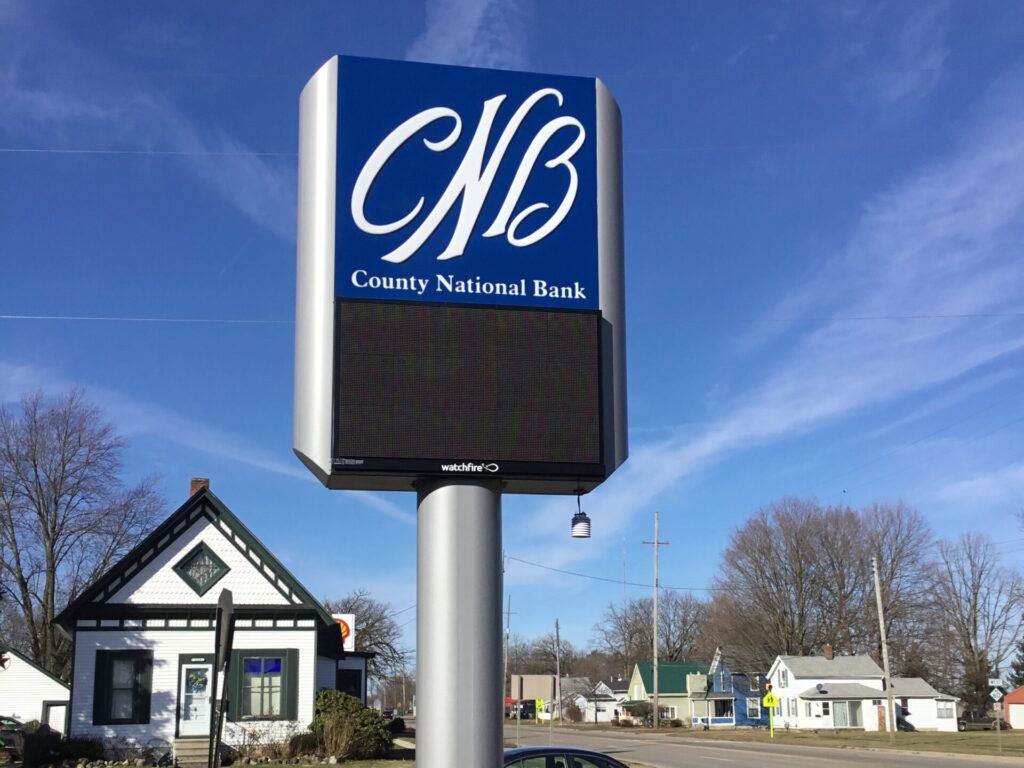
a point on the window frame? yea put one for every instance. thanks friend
(289, 684)
(103, 686)
(946, 706)
(180, 568)
(752, 701)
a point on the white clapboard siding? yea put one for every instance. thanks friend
(158, 584)
(167, 645)
(24, 688)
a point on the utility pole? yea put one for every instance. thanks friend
(558, 673)
(890, 712)
(656, 543)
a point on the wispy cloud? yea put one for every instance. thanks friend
(906, 56)
(90, 104)
(950, 398)
(476, 33)
(925, 292)
(1002, 487)
(138, 418)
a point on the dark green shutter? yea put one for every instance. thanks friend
(233, 687)
(290, 685)
(143, 686)
(101, 689)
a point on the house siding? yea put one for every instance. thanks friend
(326, 672)
(158, 584)
(24, 688)
(167, 646)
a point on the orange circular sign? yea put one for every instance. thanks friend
(345, 629)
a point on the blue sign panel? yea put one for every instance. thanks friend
(465, 185)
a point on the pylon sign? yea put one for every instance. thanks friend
(459, 305)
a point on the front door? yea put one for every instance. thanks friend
(194, 702)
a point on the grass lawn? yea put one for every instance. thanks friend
(971, 742)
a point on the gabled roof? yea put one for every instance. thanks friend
(6, 649)
(203, 504)
(916, 688)
(1015, 697)
(671, 675)
(836, 667)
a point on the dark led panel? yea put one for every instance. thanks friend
(420, 386)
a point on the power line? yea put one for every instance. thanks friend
(615, 581)
(114, 319)
(137, 152)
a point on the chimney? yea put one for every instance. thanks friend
(198, 484)
(827, 651)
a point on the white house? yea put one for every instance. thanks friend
(28, 692)
(847, 692)
(144, 639)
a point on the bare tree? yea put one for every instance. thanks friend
(65, 515)
(981, 604)
(797, 575)
(376, 630)
(625, 631)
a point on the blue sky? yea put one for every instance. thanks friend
(824, 218)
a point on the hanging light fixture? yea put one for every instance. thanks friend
(580, 521)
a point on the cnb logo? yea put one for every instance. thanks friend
(473, 178)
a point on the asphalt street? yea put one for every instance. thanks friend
(676, 752)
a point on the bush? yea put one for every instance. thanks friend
(396, 726)
(677, 723)
(76, 748)
(303, 744)
(345, 722)
(40, 744)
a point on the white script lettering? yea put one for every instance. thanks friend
(473, 179)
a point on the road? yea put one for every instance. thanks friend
(677, 752)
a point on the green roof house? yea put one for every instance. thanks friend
(675, 680)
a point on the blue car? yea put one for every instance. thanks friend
(558, 757)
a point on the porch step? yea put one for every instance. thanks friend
(191, 753)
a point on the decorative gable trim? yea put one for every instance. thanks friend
(204, 504)
(182, 568)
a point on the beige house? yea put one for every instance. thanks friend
(675, 680)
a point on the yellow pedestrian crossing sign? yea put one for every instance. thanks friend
(770, 700)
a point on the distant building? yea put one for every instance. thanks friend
(28, 692)
(673, 687)
(730, 698)
(847, 692)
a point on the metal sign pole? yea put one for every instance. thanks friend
(458, 623)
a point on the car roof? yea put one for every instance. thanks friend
(545, 750)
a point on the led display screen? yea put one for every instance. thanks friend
(445, 384)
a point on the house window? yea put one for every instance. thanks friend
(263, 684)
(262, 677)
(201, 568)
(755, 684)
(784, 678)
(807, 709)
(825, 710)
(122, 687)
(753, 709)
(876, 702)
(944, 709)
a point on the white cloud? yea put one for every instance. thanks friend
(1004, 486)
(926, 291)
(894, 53)
(90, 104)
(476, 33)
(137, 418)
